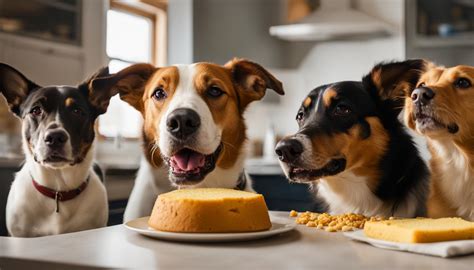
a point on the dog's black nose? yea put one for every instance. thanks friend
(183, 122)
(422, 95)
(288, 150)
(55, 138)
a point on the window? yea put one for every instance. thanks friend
(131, 36)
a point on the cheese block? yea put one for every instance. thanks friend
(210, 210)
(420, 230)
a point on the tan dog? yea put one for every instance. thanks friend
(194, 132)
(440, 108)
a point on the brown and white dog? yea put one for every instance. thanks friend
(440, 108)
(57, 190)
(353, 150)
(194, 132)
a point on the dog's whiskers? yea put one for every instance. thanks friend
(229, 144)
(153, 150)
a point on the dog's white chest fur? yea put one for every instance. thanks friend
(456, 181)
(30, 213)
(349, 193)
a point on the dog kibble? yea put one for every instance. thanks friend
(333, 223)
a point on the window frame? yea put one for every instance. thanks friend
(156, 13)
(141, 12)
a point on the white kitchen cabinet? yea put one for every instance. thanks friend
(55, 61)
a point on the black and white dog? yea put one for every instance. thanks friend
(57, 190)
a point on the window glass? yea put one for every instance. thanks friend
(129, 37)
(129, 41)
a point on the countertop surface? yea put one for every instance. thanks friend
(303, 248)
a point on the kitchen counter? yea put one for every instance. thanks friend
(117, 247)
(260, 166)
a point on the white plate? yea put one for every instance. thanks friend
(279, 225)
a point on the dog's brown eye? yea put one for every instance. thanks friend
(77, 111)
(299, 116)
(462, 83)
(36, 111)
(159, 93)
(214, 91)
(421, 85)
(342, 110)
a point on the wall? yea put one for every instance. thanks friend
(218, 30)
(228, 28)
(94, 25)
(180, 32)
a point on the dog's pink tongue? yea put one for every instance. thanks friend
(189, 160)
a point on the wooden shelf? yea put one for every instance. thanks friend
(61, 6)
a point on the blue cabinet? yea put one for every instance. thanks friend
(281, 195)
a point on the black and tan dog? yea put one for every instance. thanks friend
(353, 149)
(440, 108)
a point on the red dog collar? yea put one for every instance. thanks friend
(60, 195)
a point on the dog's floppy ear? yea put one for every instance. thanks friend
(129, 83)
(99, 98)
(15, 87)
(252, 80)
(394, 81)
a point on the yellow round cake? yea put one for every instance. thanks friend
(210, 210)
